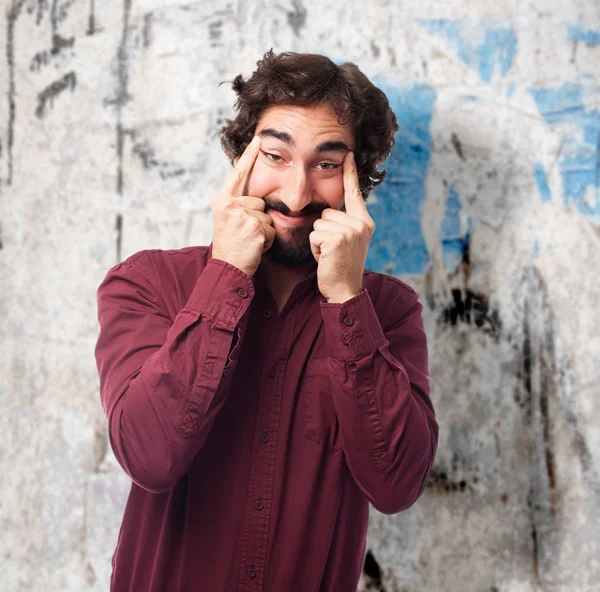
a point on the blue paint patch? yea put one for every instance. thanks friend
(542, 182)
(579, 159)
(455, 240)
(398, 245)
(589, 36)
(490, 50)
(498, 49)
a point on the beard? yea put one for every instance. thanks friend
(292, 250)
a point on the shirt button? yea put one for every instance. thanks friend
(258, 505)
(251, 573)
(344, 341)
(348, 322)
(264, 437)
(242, 293)
(226, 372)
(272, 373)
(267, 314)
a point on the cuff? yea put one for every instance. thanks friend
(222, 292)
(352, 329)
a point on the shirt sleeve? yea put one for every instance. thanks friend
(163, 380)
(380, 390)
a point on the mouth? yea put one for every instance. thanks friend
(303, 220)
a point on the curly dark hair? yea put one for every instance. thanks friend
(309, 79)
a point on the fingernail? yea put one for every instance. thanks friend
(255, 139)
(351, 156)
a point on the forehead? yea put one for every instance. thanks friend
(307, 125)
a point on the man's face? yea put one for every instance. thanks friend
(298, 173)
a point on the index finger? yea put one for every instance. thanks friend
(354, 201)
(241, 172)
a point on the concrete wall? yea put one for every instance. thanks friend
(109, 143)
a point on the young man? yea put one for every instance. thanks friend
(261, 391)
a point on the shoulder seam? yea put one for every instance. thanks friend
(132, 262)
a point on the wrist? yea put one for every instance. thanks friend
(230, 261)
(342, 297)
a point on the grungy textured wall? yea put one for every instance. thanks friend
(109, 143)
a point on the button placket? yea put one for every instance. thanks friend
(260, 492)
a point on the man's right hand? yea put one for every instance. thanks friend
(242, 231)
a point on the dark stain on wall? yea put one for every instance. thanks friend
(471, 308)
(372, 573)
(42, 58)
(215, 32)
(538, 375)
(91, 30)
(90, 575)
(296, 18)
(145, 153)
(147, 156)
(457, 146)
(539, 369)
(11, 19)
(438, 479)
(122, 91)
(147, 29)
(42, 7)
(119, 229)
(574, 51)
(60, 11)
(48, 95)
(59, 43)
(100, 447)
(547, 389)
(534, 544)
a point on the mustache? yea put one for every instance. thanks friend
(311, 208)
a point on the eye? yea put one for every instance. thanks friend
(327, 166)
(272, 157)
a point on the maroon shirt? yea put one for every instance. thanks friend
(256, 439)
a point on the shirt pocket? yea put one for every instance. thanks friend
(320, 419)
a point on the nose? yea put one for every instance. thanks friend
(297, 189)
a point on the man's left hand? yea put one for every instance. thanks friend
(340, 241)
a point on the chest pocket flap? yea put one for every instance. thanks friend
(320, 419)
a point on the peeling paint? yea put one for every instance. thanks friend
(541, 179)
(455, 233)
(398, 245)
(566, 109)
(488, 48)
(579, 33)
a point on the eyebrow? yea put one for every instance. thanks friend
(338, 146)
(269, 132)
(331, 146)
